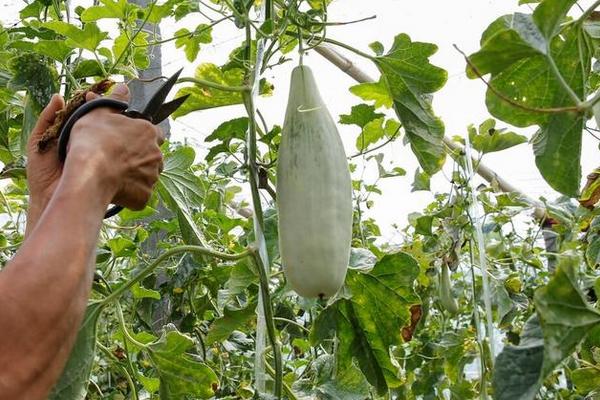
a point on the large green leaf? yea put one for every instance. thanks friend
(202, 98)
(371, 321)
(550, 14)
(515, 51)
(181, 375)
(563, 320)
(410, 78)
(181, 191)
(565, 315)
(119, 9)
(74, 380)
(88, 38)
(517, 369)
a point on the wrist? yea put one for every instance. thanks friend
(90, 173)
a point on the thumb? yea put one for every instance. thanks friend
(48, 115)
(120, 92)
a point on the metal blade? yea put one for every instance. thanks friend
(161, 94)
(167, 109)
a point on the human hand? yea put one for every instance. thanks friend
(43, 169)
(123, 152)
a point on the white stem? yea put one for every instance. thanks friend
(261, 326)
(487, 295)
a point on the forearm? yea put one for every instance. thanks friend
(34, 213)
(44, 289)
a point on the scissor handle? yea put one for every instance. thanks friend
(65, 132)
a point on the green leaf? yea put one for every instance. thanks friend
(372, 320)
(88, 38)
(73, 382)
(523, 74)
(121, 246)
(55, 49)
(32, 10)
(225, 133)
(377, 48)
(108, 9)
(374, 131)
(231, 320)
(565, 319)
(374, 91)
(410, 78)
(549, 15)
(517, 370)
(586, 379)
(87, 68)
(565, 315)
(489, 139)
(180, 374)
(191, 41)
(31, 113)
(330, 383)
(423, 225)
(421, 181)
(202, 98)
(592, 252)
(150, 384)
(360, 115)
(140, 292)
(181, 190)
(136, 51)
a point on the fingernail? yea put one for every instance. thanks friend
(121, 90)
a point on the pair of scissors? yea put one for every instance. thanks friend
(155, 111)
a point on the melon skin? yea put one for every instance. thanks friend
(314, 193)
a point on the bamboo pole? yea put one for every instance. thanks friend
(352, 70)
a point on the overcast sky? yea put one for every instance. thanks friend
(459, 103)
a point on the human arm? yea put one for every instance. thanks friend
(44, 289)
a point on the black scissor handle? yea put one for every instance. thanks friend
(65, 132)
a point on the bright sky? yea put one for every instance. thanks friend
(459, 103)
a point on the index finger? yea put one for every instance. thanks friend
(160, 136)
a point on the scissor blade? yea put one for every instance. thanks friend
(167, 109)
(161, 94)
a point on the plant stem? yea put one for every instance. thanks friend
(169, 253)
(270, 322)
(561, 79)
(259, 254)
(213, 85)
(288, 390)
(5, 201)
(590, 10)
(107, 351)
(190, 34)
(126, 333)
(289, 321)
(130, 42)
(334, 42)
